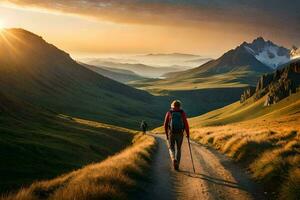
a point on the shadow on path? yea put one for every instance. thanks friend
(213, 180)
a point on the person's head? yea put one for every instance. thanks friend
(176, 104)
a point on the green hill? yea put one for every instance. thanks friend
(248, 110)
(38, 72)
(43, 92)
(276, 95)
(37, 144)
(261, 131)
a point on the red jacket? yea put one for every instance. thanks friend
(168, 118)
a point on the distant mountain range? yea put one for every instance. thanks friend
(171, 55)
(120, 75)
(140, 69)
(149, 65)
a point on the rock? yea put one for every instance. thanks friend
(278, 85)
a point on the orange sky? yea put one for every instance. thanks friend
(152, 28)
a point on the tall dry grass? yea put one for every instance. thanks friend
(114, 178)
(269, 148)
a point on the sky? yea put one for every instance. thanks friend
(204, 27)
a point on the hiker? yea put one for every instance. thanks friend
(175, 124)
(144, 126)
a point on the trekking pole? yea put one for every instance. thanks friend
(191, 154)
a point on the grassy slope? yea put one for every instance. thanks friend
(237, 112)
(226, 80)
(199, 94)
(54, 81)
(265, 139)
(117, 177)
(37, 144)
(39, 83)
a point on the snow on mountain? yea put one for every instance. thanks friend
(270, 57)
(268, 53)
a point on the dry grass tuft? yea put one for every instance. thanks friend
(291, 190)
(114, 178)
(272, 156)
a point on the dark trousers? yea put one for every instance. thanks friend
(175, 139)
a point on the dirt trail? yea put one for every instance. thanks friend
(216, 177)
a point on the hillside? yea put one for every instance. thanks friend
(37, 144)
(261, 134)
(38, 72)
(276, 94)
(117, 177)
(248, 110)
(264, 139)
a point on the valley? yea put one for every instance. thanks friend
(149, 100)
(64, 122)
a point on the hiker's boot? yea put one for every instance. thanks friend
(175, 165)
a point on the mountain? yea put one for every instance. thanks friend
(120, 75)
(37, 72)
(140, 69)
(246, 57)
(259, 56)
(43, 92)
(268, 53)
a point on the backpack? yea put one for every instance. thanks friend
(176, 123)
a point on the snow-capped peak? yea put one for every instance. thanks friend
(268, 53)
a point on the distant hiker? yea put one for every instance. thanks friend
(144, 126)
(175, 124)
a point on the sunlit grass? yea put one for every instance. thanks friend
(113, 178)
(265, 139)
(269, 148)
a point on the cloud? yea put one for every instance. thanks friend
(280, 17)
